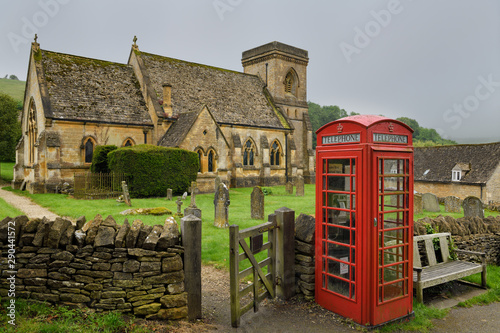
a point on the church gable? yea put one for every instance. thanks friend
(84, 89)
(233, 98)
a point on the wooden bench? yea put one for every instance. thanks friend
(441, 272)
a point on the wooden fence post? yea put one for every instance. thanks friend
(234, 253)
(191, 241)
(285, 253)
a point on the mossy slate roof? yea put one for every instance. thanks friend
(440, 160)
(93, 90)
(232, 97)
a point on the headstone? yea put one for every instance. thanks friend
(299, 183)
(221, 203)
(473, 207)
(217, 182)
(184, 196)
(289, 187)
(418, 207)
(169, 194)
(193, 195)
(452, 204)
(126, 195)
(430, 202)
(179, 204)
(257, 203)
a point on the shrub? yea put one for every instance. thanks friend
(150, 170)
(267, 191)
(100, 158)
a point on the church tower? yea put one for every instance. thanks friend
(284, 70)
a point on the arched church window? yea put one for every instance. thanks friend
(89, 150)
(128, 143)
(32, 132)
(211, 161)
(275, 153)
(200, 155)
(248, 152)
(289, 82)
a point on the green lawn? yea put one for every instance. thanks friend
(7, 171)
(8, 210)
(215, 246)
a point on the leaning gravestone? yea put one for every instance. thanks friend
(299, 183)
(289, 187)
(452, 204)
(221, 202)
(257, 203)
(169, 194)
(126, 195)
(430, 202)
(418, 207)
(473, 207)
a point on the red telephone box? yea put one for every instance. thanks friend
(364, 219)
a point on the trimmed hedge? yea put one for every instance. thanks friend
(100, 158)
(151, 170)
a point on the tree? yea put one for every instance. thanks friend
(321, 115)
(10, 128)
(13, 77)
(412, 123)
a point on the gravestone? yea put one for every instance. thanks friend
(126, 195)
(473, 207)
(299, 183)
(169, 194)
(184, 196)
(217, 182)
(257, 203)
(452, 204)
(179, 204)
(192, 209)
(289, 187)
(430, 202)
(221, 203)
(418, 207)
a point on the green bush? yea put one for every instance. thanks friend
(150, 170)
(100, 158)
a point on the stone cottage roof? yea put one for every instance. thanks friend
(84, 89)
(435, 164)
(232, 97)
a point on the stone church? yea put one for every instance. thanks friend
(249, 128)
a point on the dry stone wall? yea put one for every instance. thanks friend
(468, 233)
(98, 264)
(304, 255)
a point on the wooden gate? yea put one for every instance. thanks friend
(263, 284)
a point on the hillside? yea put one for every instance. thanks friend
(13, 88)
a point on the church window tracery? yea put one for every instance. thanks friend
(275, 153)
(248, 152)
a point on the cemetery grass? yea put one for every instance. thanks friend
(215, 244)
(8, 210)
(7, 171)
(34, 316)
(454, 215)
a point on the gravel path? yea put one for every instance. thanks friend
(28, 207)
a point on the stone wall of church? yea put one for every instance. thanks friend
(445, 189)
(492, 188)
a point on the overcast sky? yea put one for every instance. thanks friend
(437, 61)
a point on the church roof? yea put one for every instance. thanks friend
(435, 164)
(179, 129)
(84, 89)
(233, 97)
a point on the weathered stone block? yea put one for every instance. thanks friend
(143, 234)
(122, 234)
(59, 276)
(24, 273)
(93, 287)
(56, 231)
(167, 278)
(74, 298)
(152, 238)
(172, 264)
(131, 238)
(174, 301)
(173, 313)
(105, 237)
(150, 266)
(147, 309)
(53, 298)
(101, 266)
(131, 266)
(175, 288)
(64, 255)
(114, 294)
(127, 283)
(304, 228)
(169, 235)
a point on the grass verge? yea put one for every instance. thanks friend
(7, 171)
(8, 210)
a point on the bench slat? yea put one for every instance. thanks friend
(446, 272)
(416, 255)
(445, 252)
(429, 249)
